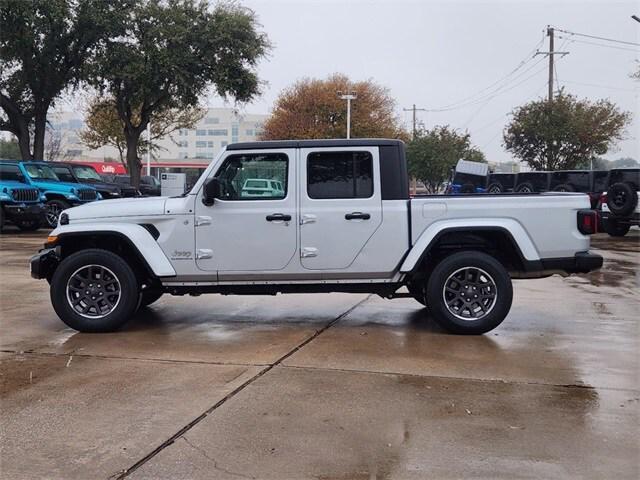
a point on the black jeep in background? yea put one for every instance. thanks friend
(501, 182)
(529, 182)
(75, 173)
(619, 205)
(591, 182)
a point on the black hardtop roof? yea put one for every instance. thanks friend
(354, 142)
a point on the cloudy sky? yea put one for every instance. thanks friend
(456, 54)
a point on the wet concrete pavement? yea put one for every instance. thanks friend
(328, 386)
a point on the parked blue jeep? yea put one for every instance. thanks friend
(21, 204)
(59, 195)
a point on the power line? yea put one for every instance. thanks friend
(522, 63)
(573, 40)
(598, 38)
(601, 86)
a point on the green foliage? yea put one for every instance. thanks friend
(9, 150)
(433, 153)
(564, 133)
(174, 51)
(44, 49)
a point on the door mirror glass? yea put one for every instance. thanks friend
(211, 191)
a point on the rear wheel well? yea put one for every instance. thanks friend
(495, 242)
(112, 242)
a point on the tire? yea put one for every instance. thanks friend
(614, 228)
(525, 187)
(446, 284)
(147, 297)
(54, 208)
(622, 199)
(70, 280)
(1, 218)
(28, 225)
(564, 187)
(494, 188)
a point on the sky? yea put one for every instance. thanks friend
(456, 53)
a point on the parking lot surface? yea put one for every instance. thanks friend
(327, 386)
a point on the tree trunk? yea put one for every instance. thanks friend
(133, 162)
(40, 123)
(18, 125)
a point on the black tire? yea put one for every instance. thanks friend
(492, 281)
(494, 188)
(28, 225)
(622, 199)
(147, 297)
(1, 218)
(54, 208)
(94, 319)
(564, 187)
(614, 228)
(525, 187)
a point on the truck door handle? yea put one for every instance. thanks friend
(357, 216)
(278, 217)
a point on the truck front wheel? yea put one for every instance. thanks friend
(94, 290)
(469, 293)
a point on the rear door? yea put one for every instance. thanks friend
(340, 204)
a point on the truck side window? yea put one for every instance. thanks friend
(256, 176)
(339, 175)
(64, 174)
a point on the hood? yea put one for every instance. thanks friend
(12, 184)
(124, 207)
(106, 186)
(61, 185)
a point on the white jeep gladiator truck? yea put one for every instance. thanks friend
(343, 221)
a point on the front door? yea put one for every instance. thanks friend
(252, 227)
(340, 205)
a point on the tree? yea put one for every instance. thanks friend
(9, 150)
(44, 48)
(173, 52)
(564, 133)
(105, 127)
(433, 153)
(313, 109)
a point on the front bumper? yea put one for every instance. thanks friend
(44, 262)
(582, 262)
(25, 211)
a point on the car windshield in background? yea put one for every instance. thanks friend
(86, 173)
(40, 172)
(11, 173)
(148, 180)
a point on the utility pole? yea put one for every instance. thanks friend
(348, 97)
(414, 110)
(550, 54)
(149, 148)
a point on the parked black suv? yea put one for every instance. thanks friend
(73, 172)
(528, 182)
(591, 182)
(501, 182)
(149, 185)
(619, 205)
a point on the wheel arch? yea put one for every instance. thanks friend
(133, 242)
(508, 242)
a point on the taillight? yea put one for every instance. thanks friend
(588, 222)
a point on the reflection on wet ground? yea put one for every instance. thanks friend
(330, 386)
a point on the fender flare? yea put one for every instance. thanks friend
(135, 235)
(521, 239)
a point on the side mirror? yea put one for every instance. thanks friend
(211, 191)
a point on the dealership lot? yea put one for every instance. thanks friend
(329, 386)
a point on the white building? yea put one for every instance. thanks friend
(218, 128)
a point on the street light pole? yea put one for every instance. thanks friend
(149, 148)
(348, 97)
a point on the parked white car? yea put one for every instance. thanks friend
(259, 187)
(342, 222)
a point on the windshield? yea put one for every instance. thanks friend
(40, 172)
(86, 173)
(11, 172)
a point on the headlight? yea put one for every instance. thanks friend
(98, 196)
(5, 196)
(43, 197)
(73, 191)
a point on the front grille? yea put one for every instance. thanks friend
(25, 194)
(87, 194)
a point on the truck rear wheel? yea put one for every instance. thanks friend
(94, 291)
(469, 293)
